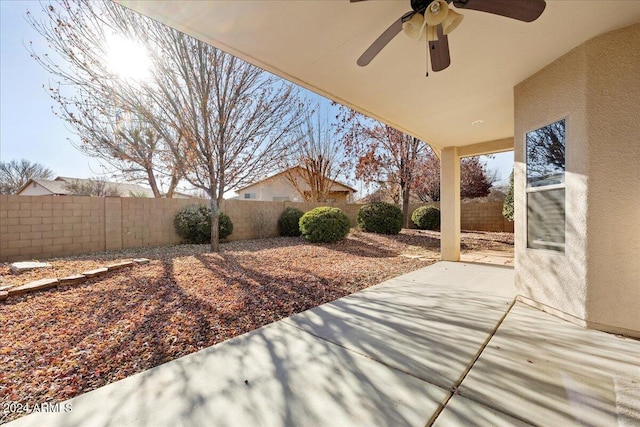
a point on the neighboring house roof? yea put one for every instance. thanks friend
(58, 186)
(287, 170)
(55, 187)
(124, 189)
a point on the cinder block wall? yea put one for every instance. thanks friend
(48, 226)
(39, 227)
(484, 216)
(149, 222)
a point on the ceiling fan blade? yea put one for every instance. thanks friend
(523, 10)
(380, 43)
(439, 51)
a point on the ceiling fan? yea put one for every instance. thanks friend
(433, 20)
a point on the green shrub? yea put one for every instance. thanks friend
(225, 226)
(289, 222)
(507, 207)
(380, 217)
(426, 218)
(193, 224)
(324, 225)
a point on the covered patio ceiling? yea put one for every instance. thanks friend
(316, 44)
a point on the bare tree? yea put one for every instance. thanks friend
(202, 115)
(428, 183)
(316, 158)
(91, 96)
(15, 174)
(475, 179)
(232, 119)
(384, 155)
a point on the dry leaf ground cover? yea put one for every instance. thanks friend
(60, 343)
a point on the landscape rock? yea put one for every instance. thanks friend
(94, 273)
(5, 287)
(119, 265)
(19, 267)
(141, 261)
(71, 280)
(4, 295)
(38, 285)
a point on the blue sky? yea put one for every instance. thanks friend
(28, 127)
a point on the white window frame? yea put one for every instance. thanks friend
(552, 247)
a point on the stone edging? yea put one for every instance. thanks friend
(75, 279)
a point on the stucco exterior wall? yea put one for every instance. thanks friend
(267, 190)
(279, 186)
(596, 88)
(613, 216)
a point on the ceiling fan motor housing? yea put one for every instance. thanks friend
(421, 5)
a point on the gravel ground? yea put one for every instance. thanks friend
(60, 343)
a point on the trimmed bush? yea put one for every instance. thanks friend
(426, 218)
(289, 222)
(193, 224)
(225, 226)
(324, 225)
(380, 217)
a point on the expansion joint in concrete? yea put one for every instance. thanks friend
(454, 390)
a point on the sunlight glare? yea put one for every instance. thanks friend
(128, 59)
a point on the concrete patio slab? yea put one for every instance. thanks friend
(414, 350)
(274, 376)
(419, 323)
(460, 277)
(546, 371)
(462, 412)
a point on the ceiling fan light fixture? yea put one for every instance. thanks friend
(432, 33)
(436, 12)
(414, 27)
(451, 22)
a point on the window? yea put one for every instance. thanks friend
(546, 187)
(281, 199)
(250, 196)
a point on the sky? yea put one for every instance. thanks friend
(28, 127)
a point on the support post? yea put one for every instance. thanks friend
(450, 204)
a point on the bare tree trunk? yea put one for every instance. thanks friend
(153, 183)
(405, 204)
(172, 185)
(215, 220)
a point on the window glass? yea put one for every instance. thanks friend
(545, 219)
(545, 155)
(545, 187)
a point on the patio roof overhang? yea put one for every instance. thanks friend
(316, 43)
